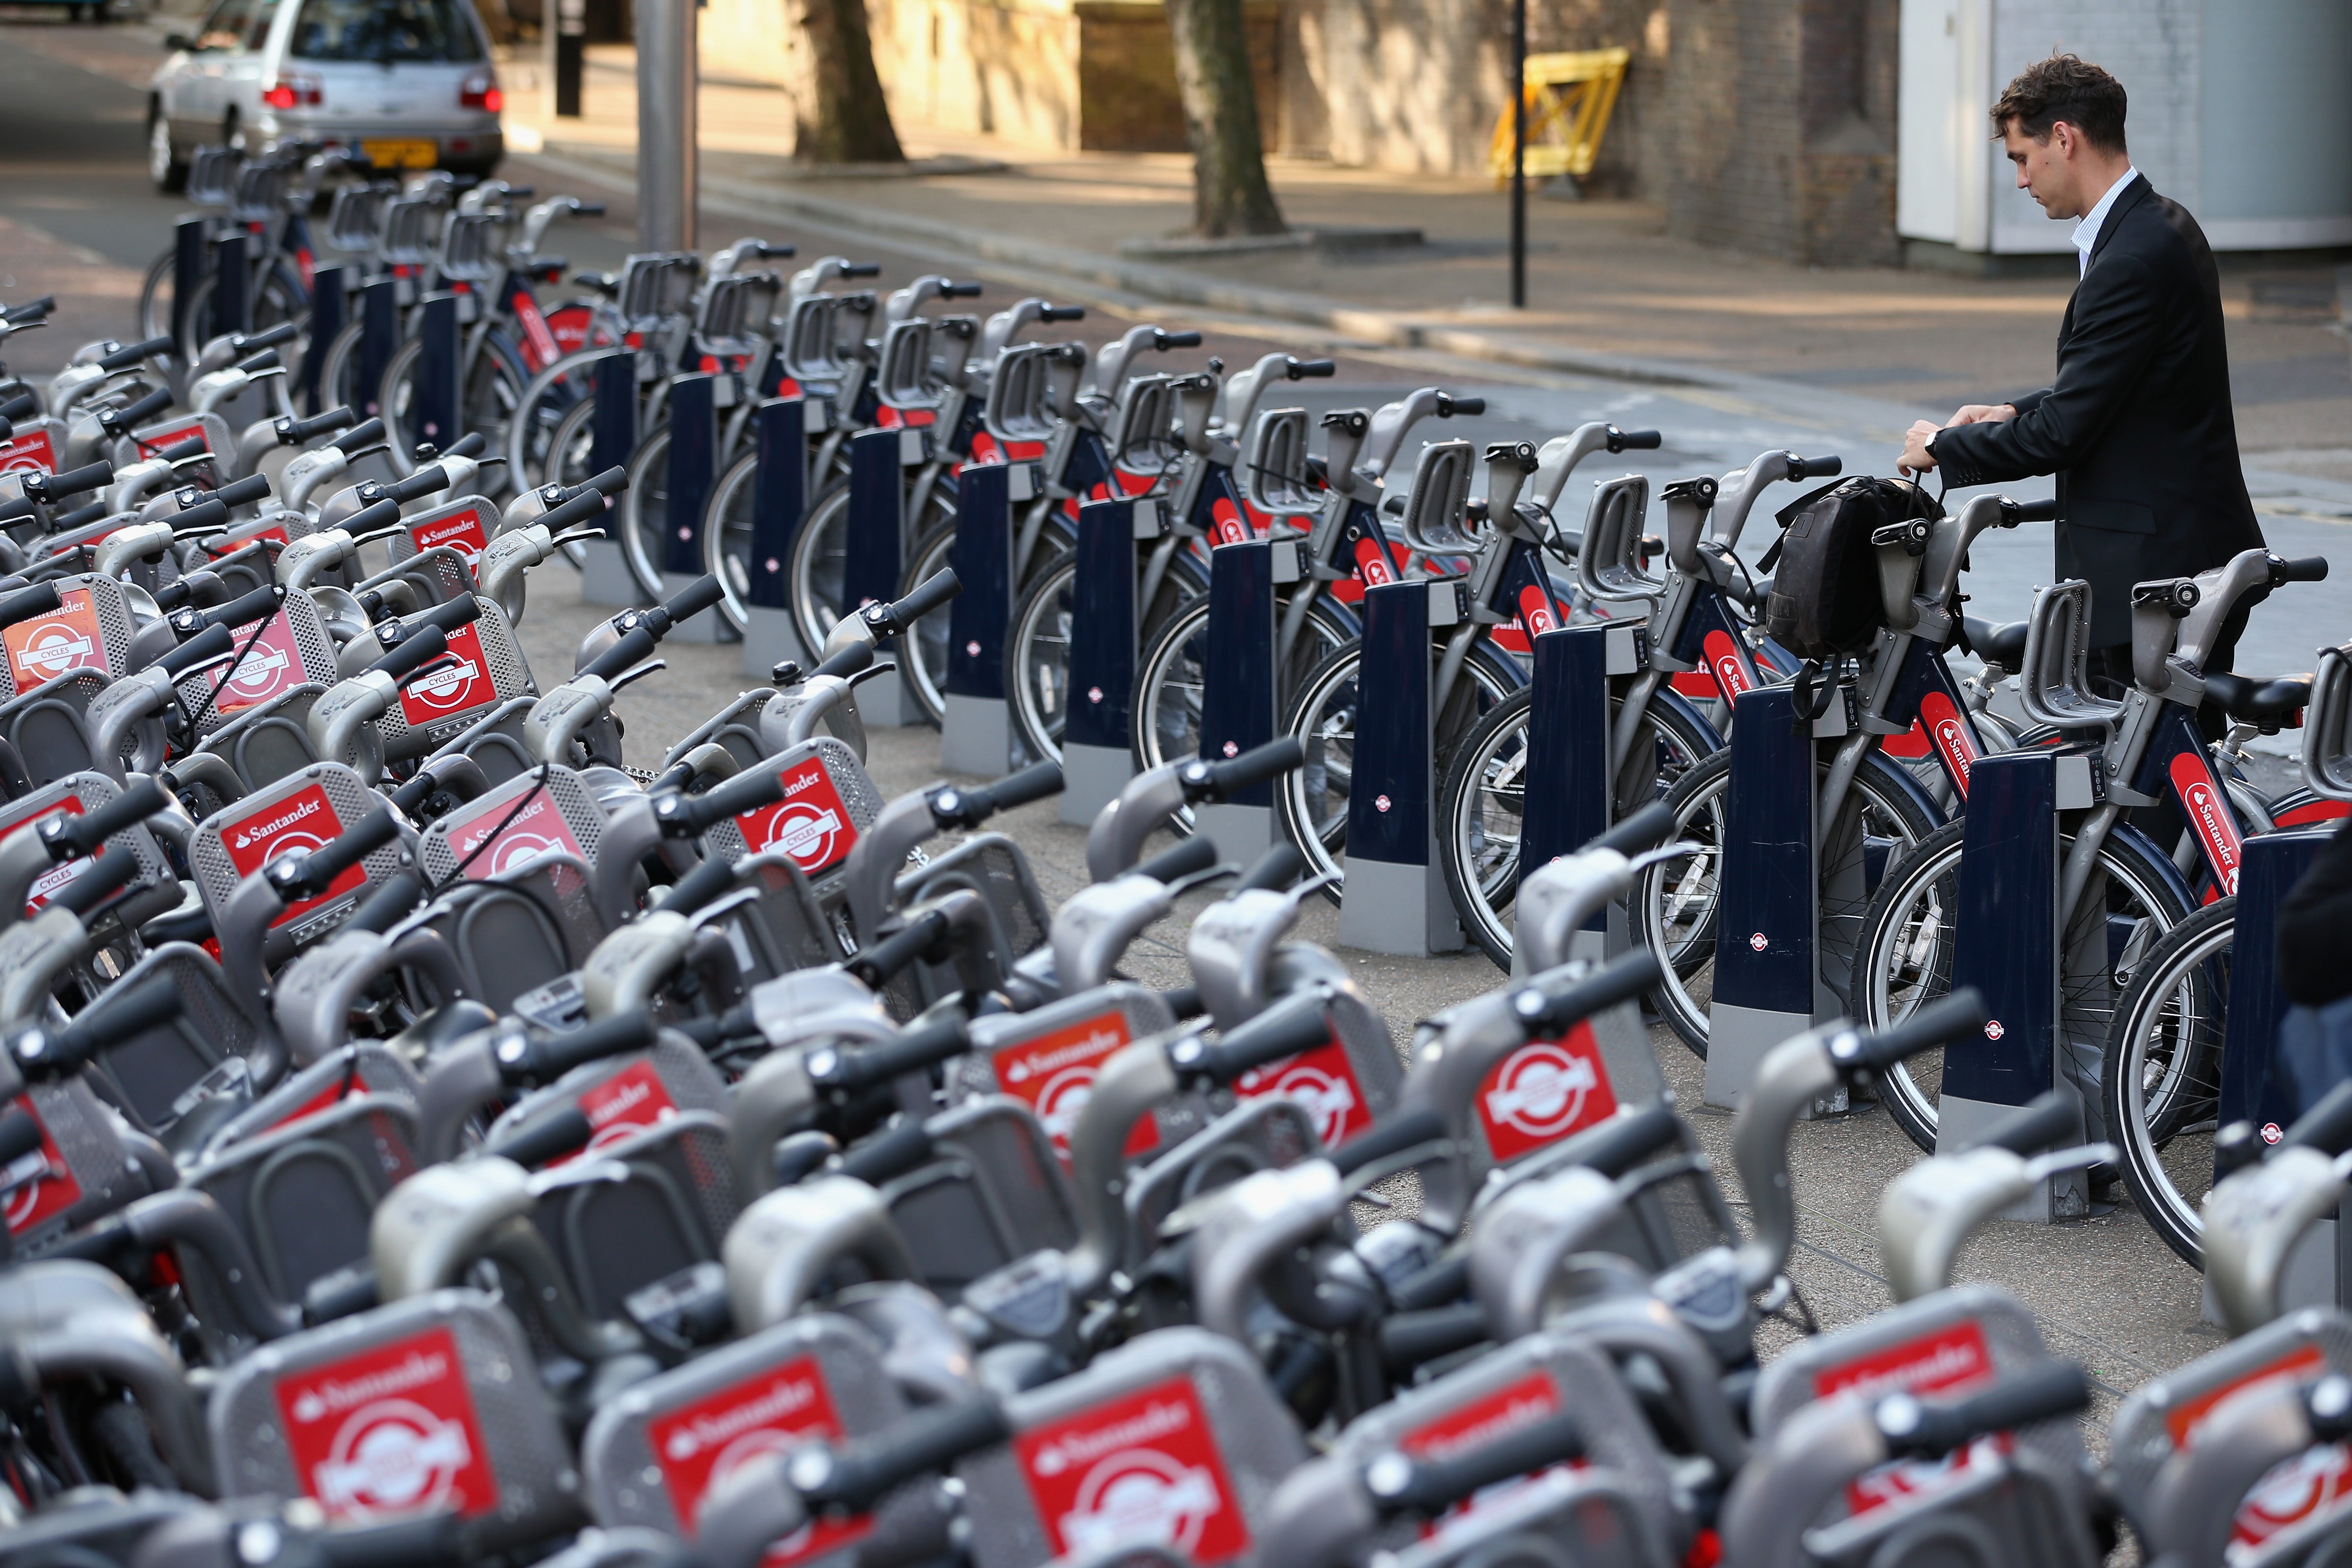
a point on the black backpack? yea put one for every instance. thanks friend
(1826, 597)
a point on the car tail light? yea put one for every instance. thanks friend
(481, 91)
(294, 92)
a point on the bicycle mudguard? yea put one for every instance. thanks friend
(1509, 1389)
(303, 1193)
(2162, 1417)
(829, 802)
(648, 1456)
(647, 1204)
(1950, 1342)
(428, 1403)
(1175, 1438)
(91, 629)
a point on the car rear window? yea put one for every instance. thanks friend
(386, 31)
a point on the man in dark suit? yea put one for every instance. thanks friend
(2137, 425)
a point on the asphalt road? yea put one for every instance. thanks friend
(84, 219)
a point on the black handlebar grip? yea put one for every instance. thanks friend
(545, 1061)
(72, 482)
(1429, 1486)
(860, 1474)
(899, 1148)
(586, 507)
(368, 518)
(81, 517)
(298, 877)
(1189, 857)
(423, 482)
(31, 308)
(694, 598)
(1409, 1339)
(246, 608)
(283, 332)
(1391, 1137)
(410, 654)
(101, 879)
(747, 791)
(462, 611)
(634, 648)
(877, 961)
(16, 407)
(1291, 1026)
(1937, 1023)
(241, 492)
(2031, 511)
(1646, 829)
(266, 360)
(468, 444)
(129, 354)
(959, 290)
(2040, 1123)
(1185, 340)
(2308, 569)
(214, 641)
(1628, 1139)
(389, 904)
(20, 1135)
(1259, 764)
(861, 269)
(1548, 1010)
(845, 664)
(1447, 406)
(2326, 1126)
(208, 516)
(1273, 872)
(549, 1138)
(853, 1068)
(294, 432)
(1034, 782)
(367, 433)
(706, 883)
(1816, 468)
(1447, 1280)
(1063, 313)
(1311, 369)
(1636, 441)
(610, 482)
(44, 1055)
(25, 603)
(69, 837)
(588, 209)
(117, 420)
(188, 449)
(930, 594)
(1913, 1428)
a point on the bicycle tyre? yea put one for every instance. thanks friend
(1892, 946)
(546, 398)
(1311, 803)
(1037, 647)
(1661, 892)
(1474, 830)
(494, 379)
(2168, 1164)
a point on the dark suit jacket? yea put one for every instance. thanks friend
(2137, 425)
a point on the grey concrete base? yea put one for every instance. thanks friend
(1594, 946)
(976, 735)
(886, 704)
(769, 637)
(1241, 833)
(605, 578)
(1092, 777)
(1962, 1123)
(1737, 1040)
(709, 627)
(1403, 910)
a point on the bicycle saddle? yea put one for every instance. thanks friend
(2259, 699)
(2003, 645)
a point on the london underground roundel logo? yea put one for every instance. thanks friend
(1543, 1091)
(392, 1457)
(55, 649)
(1993, 1030)
(1141, 1495)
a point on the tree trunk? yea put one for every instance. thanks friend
(841, 115)
(1230, 195)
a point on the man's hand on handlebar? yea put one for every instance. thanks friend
(1917, 459)
(1982, 414)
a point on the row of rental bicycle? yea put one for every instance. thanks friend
(434, 1135)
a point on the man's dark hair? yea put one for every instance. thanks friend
(2067, 87)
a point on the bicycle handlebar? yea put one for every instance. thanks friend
(889, 620)
(851, 1067)
(1061, 313)
(283, 332)
(1307, 369)
(2307, 569)
(2326, 1126)
(1634, 440)
(2015, 512)
(1274, 870)
(1164, 342)
(466, 445)
(240, 492)
(25, 603)
(216, 641)
(1915, 1429)
(1393, 1136)
(299, 877)
(858, 1475)
(367, 433)
(954, 806)
(411, 652)
(1646, 829)
(68, 838)
(48, 488)
(1292, 1025)
(877, 961)
(129, 354)
(294, 432)
(106, 876)
(543, 1141)
(1448, 406)
(2040, 1123)
(1937, 1023)
(43, 1055)
(246, 608)
(635, 647)
(1187, 858)
(1206, 781)
(1546, 1010)
(1400, 1484)
(116, 420)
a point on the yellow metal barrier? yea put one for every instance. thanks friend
(1569, 97)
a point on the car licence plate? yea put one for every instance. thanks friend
(403, 154)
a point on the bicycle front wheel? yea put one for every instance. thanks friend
(2160, 1080)
(1165, 723)
(1910, 933)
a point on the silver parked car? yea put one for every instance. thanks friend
(409, 82)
